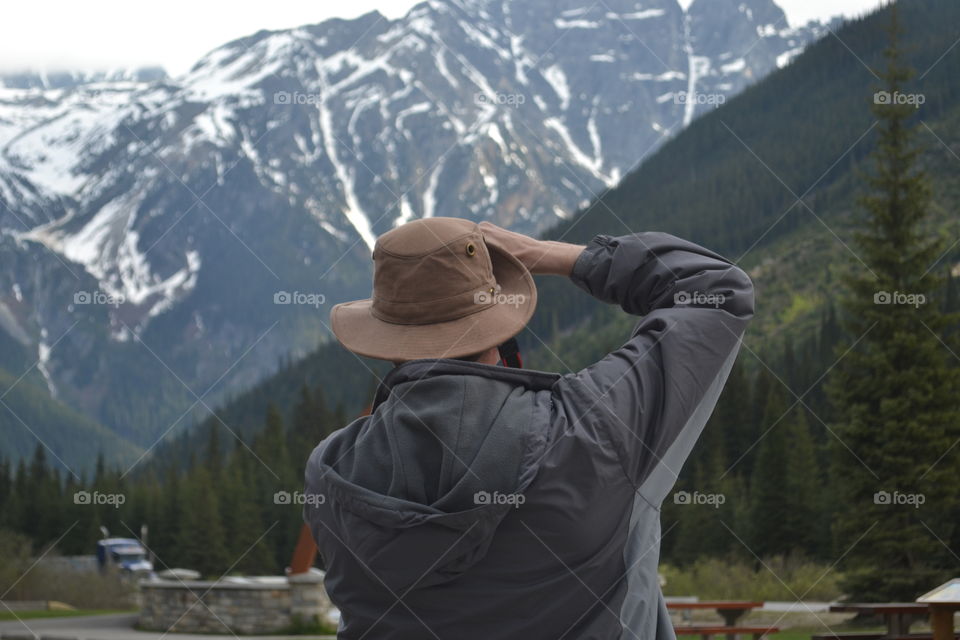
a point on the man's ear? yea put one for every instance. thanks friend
(490, 356)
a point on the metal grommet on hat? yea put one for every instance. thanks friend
(471, 249)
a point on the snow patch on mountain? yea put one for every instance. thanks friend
(558, 80)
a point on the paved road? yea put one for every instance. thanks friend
(118, 626)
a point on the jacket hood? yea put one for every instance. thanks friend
(447, 452)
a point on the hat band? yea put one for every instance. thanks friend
(421, 312)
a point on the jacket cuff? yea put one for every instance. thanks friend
(595, 251)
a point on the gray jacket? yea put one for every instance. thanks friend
(491, 503)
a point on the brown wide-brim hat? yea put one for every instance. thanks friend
(440, 290)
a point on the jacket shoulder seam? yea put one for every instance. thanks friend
(602, 426)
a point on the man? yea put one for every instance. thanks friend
(480, 501)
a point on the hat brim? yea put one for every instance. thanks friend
(358, 330)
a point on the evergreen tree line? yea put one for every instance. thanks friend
(229, 509)
(769, 475)
(765, 452)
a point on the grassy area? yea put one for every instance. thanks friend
(23, 578)
(800, 633)
(795, 634)
(780, 579)
(314, 628)
(6, 615)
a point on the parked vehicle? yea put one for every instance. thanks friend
(125, 554)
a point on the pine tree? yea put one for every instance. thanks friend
(733, 418)
(763, 385)
(277, 473)
(100, 471)
(791, 375)
(804, 492)
(830, 333)
(201, 539)
(243, 522)
(307, 426)
(700, 530)
(165, 530)
(272, 449)
(6, 486)
(895, 392)
(40, 499)
(214, 458)
(770, 531)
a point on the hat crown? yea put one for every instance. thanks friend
(430, 271)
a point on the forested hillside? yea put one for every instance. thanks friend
(31, 415)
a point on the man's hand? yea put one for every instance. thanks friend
(538, 256)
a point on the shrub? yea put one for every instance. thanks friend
(777, 578)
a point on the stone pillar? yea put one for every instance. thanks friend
(308, 598)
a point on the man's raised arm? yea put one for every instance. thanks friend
(654, 394)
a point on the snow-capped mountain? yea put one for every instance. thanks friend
(150, 226)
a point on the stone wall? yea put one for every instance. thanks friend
(232, 605)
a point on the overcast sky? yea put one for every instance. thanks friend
(70, 34)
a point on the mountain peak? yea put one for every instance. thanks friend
(761, 12)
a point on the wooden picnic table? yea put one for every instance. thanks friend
(730, 610)
(898, 615)
(942, 601)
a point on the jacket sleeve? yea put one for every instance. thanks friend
(652, 396)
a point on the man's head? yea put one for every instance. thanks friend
(440, 290)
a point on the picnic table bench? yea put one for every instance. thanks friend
(874, 636)
(898, 616)
(706, 632)
(730, 610)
